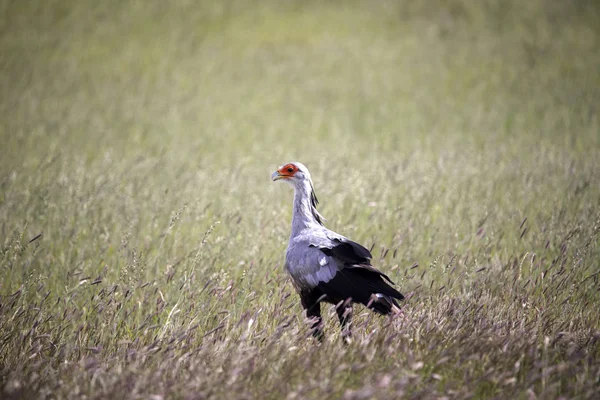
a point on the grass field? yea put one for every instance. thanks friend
(142, 241)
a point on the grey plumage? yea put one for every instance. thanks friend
(326, 266)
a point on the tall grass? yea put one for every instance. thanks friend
(141, 241)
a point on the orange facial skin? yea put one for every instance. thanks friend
(287, 171)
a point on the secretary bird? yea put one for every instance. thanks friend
(326, 266)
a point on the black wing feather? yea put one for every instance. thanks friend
(360, 284)
(348, 251)
(358, 279)
(353, 255)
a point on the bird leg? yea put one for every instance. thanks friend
(314, 314)
(311, 303)
(344, 313)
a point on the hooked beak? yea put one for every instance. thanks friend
(275, 176)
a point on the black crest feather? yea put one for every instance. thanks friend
(314, 202)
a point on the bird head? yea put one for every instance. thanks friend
(297, 175)
(293, 173)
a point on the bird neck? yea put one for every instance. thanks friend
(304, 213)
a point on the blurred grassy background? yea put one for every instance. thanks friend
(139, 137)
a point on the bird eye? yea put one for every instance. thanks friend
(290, 170)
